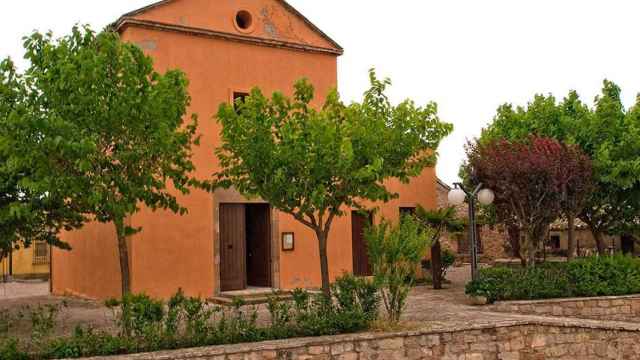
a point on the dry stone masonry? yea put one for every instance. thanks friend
(527, 340)
(615, 308)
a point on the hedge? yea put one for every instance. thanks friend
(584, 277)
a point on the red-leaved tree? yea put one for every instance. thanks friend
(533, 181)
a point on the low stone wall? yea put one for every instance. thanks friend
(514, 341)
(616, 308)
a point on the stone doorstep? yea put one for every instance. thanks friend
(250, 296)
(299, 343)
(564, 300)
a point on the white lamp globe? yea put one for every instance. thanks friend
(486, 196)
(456, 197)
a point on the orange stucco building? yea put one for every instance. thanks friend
(225, 242)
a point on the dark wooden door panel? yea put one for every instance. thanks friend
(627, 244)
(258, 245)
(359, 222)
(232, 247)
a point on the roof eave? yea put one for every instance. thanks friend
(128, 21)
(289, 7)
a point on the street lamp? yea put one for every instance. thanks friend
(485, 197)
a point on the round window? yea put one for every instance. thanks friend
(244, 20)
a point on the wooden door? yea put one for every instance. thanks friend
(258, 245)
(627, 243)
(361, 265)
(232, 247)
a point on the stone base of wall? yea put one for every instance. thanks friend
(613, 308)
(514, 341)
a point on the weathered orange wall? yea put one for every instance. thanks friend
(273, 21)
(91, 269)
(301, 267)
(178, 251)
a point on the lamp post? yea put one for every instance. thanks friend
(485, 197)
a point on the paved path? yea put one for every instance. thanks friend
(427, 308)
(17, 290)
(450, 308)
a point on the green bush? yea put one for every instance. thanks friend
(145, 324)
(88, 342)
(7, 320)
(605, 275)
(492, 283)
(592, 276)
(395, 252)
(10, 350)
(357, 295)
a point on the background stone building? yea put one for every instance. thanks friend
(585, 242)
(494, 242)
(493, 239)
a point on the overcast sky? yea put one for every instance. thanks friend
(467, 55)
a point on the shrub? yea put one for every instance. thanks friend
(7, 320)
(395, 253)
(504, 283)
(356, 294)
(10, 350)
(146, 324)
(139, 315)
(492, 283)
(592, 276)
(605, 275)
(281, 317)
(88, 342)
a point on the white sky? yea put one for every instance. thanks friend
(467, 55)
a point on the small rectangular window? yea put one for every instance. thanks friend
(238, 97)
(404, 211)
(40, 253)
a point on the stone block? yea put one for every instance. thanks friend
(391, 343)
(315, 350)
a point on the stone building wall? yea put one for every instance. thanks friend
(493, 238)
(616, 308)
(511, 342)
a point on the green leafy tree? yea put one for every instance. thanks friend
(529, 179)
(102, 129)
(578, 189)
(28, 211)
(608, 134)
(612, 138)
(441, 221)
(315, 163)
(395, 252)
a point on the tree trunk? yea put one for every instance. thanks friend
(436, 265)
(571, 237)
(597, 235)
(324, 263)
(514, 238)
(528, 249)
(123, 252)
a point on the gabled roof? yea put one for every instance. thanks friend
(443, 184)
(128, 18)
